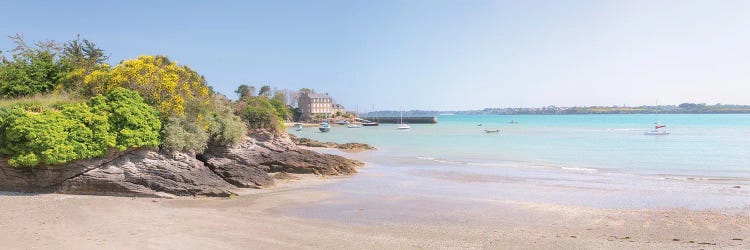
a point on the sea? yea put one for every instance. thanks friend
(588, 160)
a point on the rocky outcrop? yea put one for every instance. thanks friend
(141, 172)
(349, 147)
(151, 173)
(249, 163)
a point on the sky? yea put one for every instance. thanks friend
(428, 55)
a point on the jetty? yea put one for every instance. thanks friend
(412, 119)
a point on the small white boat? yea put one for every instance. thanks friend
(492, 131)
(324, 127)
(353, 125)
(298, 127)
(658, 130)
(401, 124)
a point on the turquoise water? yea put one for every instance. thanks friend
(698, 145)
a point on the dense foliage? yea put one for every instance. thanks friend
(32, 134)
(64, 102)
(194, 117)
(30, 71)
(162, 83)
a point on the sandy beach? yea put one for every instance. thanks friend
(275, 219)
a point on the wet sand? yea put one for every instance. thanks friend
(261, 219)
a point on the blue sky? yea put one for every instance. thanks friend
(447, 55)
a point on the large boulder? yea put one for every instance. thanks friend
(249, 163)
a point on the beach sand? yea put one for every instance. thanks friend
(270, 219)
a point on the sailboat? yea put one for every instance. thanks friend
(401, 124)
(659, 129)
(354, 124)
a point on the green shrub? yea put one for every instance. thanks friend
(33, 135)
(136, 123)
(183, 135)
(261, 114)
(225, 128)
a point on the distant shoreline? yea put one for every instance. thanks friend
(685, 108)
(652, 113)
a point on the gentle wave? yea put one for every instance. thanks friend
(579, 169)
(510, 164)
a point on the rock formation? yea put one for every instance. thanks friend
(151, 173)
(349, 147)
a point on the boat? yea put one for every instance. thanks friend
(401, 124)
(342, 122)
(354, 123)
(659, 129)
(324, 127)
(368, 124)
(298, 126)
(492, 131)
(513, 122)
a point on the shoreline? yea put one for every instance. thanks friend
(263, 220)
(299, 213)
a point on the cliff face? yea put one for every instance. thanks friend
(146, 172)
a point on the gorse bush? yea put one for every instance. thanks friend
(186, 104)
(33, 135)
(169, 87)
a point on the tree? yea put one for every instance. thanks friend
(265, 90)
(84, 57)
(32, 70)
(260, 113)
(245, 91)
(306, 91)
(82, 53)
(279, 96)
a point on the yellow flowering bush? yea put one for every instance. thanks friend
(162, 83)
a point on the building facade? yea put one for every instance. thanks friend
(315, 105)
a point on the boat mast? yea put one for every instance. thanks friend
(401, 121)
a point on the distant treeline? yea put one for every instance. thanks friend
(684, 108)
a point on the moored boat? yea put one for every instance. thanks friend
(658, 130)
(324, 127)
(401, 124)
